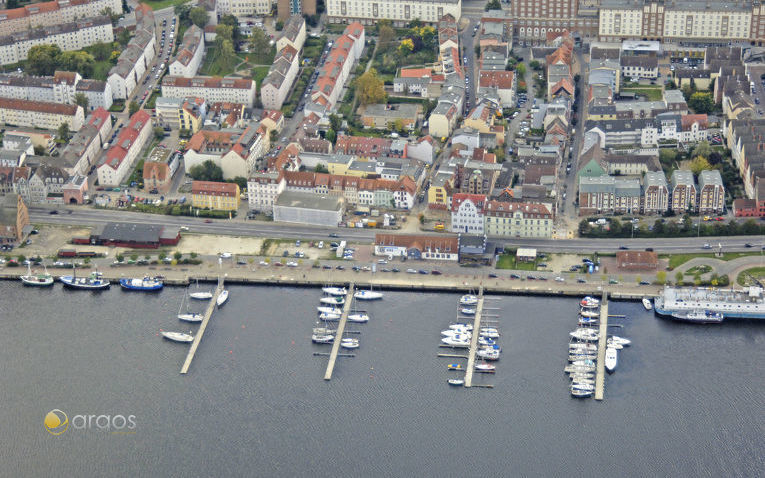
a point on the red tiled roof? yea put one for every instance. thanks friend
(529, 210)
(478, 199)
(38, 106)
(422, 242)
(502, 80)
(213, 188)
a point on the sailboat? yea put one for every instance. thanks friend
(187, 316)
(36, 280)
(222, 298)
(178, 336)
(201, 295)
(336, 291)
(367, 294)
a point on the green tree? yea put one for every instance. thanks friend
(331, 136)
(701, 102)
(133, 107)
(661, 277)
(678, 277)
(81, 100)
(370, 88)
(534, 64)
(63, 132)
(224, 32)
(259, 42)
(101, 51)
(702, 149)
(273, 136)
(79, 61)
(12, 4)
(177, 255)
(42, 60)
(699, 164)
(335, 122)
(520, 69)
(134, 257)
(241, 181)
(493, 5)
(123, 37)
(279, 26)
(207, 171)
(385, 35)
(159, 132)
(194, 255)
(320, 168)
(198, 16)
(120, 258)
(233, 22)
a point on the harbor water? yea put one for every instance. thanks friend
(686, 400)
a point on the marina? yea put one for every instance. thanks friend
(405, 400)
(474, 341)
(603, 334)
(339, 333)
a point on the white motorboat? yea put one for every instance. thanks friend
(349, 343)
(335, 291)
(611, 359)
(333, 300)
(468, 299)
(583, 363)
(358, 317)
(583, 386)
(589, 313)
(579, 368)
(589, 302)
(36, 280)
(485, 367)
(582, 347)
(189, 317)
(614, 345)
(587, 321)
(201, 295)
(322, 338)
(647, 303)
(329, 310)
(489, 332)
(329, 317)
(367, 295)
(459, 337)
(582, 376)
(620, 340)
(178, 336)
(486, 341)
(467, 310)
(452, 333)
(488, 353)
(452, 342)
(323, 331)
(222, 298)
(585, 334)
(455, 382)
(578, 393)
(461, 326)
(577, 358)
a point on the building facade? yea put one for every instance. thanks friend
(518, 219)
(468, 213)
(128, 145)
(215, 195)
(400, 12)
(212, 89)
(39, 114)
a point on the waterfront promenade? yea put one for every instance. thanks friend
(182, 275)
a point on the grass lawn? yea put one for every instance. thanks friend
(160, 4)
(653, 93)
(676, 260)
(212, 67)
(507, 261)
(743, 277)
(259, 72)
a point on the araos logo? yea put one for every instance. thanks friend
(57, 422)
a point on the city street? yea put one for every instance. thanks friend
(242, 227)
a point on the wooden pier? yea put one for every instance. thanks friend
(602, 339)
(474, 340)
(339, 333)
(198, 337)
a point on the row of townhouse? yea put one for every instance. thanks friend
(74, 35)
(647, 132)
(283, 72)
(44, 14)
(40, 114)
(609, 194)
(62, 87)
(746, 140)
(336, 69)
(400, 12)
(211, 88)
(444, 117)
(136, 57)
(264, 188)
(128, 145)
(476, 214)
(243, 8)
(188, 58)
(85, 147)
(233, 150)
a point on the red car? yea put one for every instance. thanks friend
(208, 221)
(719, 219)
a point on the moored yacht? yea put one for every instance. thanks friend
(94, 281)
(611, 359)
(589, 302)
(333, 300)
(647, 303)
(36, 280)
(178, 336)
(358, 317)
(322, 338)
(334, 291)
(329, 317)
(329, 310)
(349, 343)
(222, 298)
(190, 317)
(148, 284)
(468, 299)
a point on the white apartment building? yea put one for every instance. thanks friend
(211, 89)
(136, 58)
(681, 20)
(55, 12)
(190, 53)
(277, 84)
(243, 8)
(62, 87)
(400, 12)
(468, 213)
(262, 190)
(293, 33)
(38, 114)
(68, 37)
(128, 145)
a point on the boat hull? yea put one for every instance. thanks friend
(128, 284)
(36, 282)
(71, 283)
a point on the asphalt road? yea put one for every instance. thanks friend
(239, 227)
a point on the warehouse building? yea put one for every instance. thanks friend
(307, 208)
